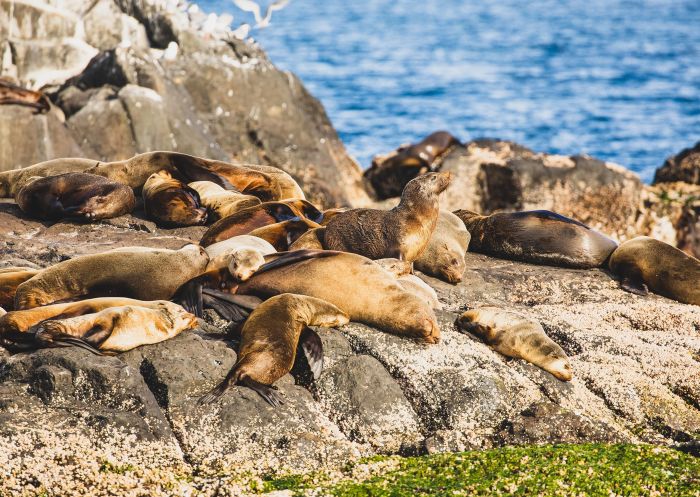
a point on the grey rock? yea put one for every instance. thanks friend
(145, 110)
(106, 26)
(684, 166)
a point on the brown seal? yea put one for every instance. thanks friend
(312, 239)
(283, 235)
(515, 335)
(10, 279)
(220, 202)
(644, 264)
(11, 94)
(444, 256)
(329, 214)
(402, 232)
(355, 284)
(247, 220)
(389, 174)
(171, 203)
(75, 195)
(269, 340)
(135, 272)
(539, 237)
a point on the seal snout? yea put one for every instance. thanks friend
(561, 369)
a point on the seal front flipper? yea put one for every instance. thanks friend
(281, 259)
(312, 346)
(43, 337)
(192, 169)
(227, 310)
(634, 285)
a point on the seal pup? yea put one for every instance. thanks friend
(118, 329)
(269, 340)
(10, 279)
(402, 232)
(247, 220)
(644, 264)
(353, 283)
(171, 203)
(283, 235)
(515, 335)
(75, 195)
(444, 256)
(220, 253)
(220, 202)
(12, 94)
(538, 237)
(135, 272)
(389, 174)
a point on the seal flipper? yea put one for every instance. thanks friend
(227, 310)
(267, 392)
(48, 339)
(634, 285)
(189, 296)
(281, 259)
(312, 346)
(192, 170)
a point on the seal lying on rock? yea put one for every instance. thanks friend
(220, 253)
(644, 264)
(269, 340)
(515, 335)
(247, 220)
(136, 272)
(389, 174)
(10, 279)
(402, 232)
(75, 195)
(444, 256)
(539, 237)
(420, 288)
(220, 202)
(171, 203)
(283, 235)
(11, 94)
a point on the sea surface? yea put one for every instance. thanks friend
(619, 80)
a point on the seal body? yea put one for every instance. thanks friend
(78, 195)
(539, 237)
(362, 289)
(10, 279)
(269, 340)
(134, 272)
(247, 220)
(643, 263)
(312, 239)
(389, 174)
(220, 202)
(515, 335)
(283, 235)
(220, 253)
(421, 289)
(11, 94)
(444, 255)
(171, 203)
(402, 232)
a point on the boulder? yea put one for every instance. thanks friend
(684, 166)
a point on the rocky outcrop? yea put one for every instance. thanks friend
(207, 94)
(683, 167)
(77, 423)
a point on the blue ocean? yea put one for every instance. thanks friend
(616, 79)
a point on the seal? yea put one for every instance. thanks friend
(135, 272)
(247, 220)
(444, 256)
(353, 283)
(75, 195)
(283, 235)
(10, 279)
(171, 203)
(515, 335)
(538, 237)
(402, 232)
(221, 253)
(389, 174)
(329, 214)
(311, 239)
(220, 202)
(644, 264)
(269, 340)
(421, 289)
(11, 94)
(264, 182)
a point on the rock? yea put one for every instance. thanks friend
(27, 20)
(685, 167)
(106, 26)
(145, 110)
(41, 63)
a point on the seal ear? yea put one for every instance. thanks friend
(312, 346)
(634, 285)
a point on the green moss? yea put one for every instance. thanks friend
(108, 467)
(559, 470)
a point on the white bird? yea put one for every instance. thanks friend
(251, 6)
(241, 32)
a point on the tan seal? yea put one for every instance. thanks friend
(220, 202)
(515, 335)
(444, 256)
(221, 253)
(12, 94)
(538, 237)
(10, 279)
(402, 232)
(134, 272)
(75, 195)
(283, 235)
(269, 340)
(421, 289)
(644, 264)
(171, 203)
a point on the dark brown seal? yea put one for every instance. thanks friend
(75, 195)
(171, 203)
(402, 232)
(644, 264)
(389, 174)
(539, 237)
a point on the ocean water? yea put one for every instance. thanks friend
(616, 79)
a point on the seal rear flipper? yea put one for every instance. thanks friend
(50, 340)
(634, 285)
(267, 392)
(281, 259)
(227, 310)
(189, 296)
(312, 346)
